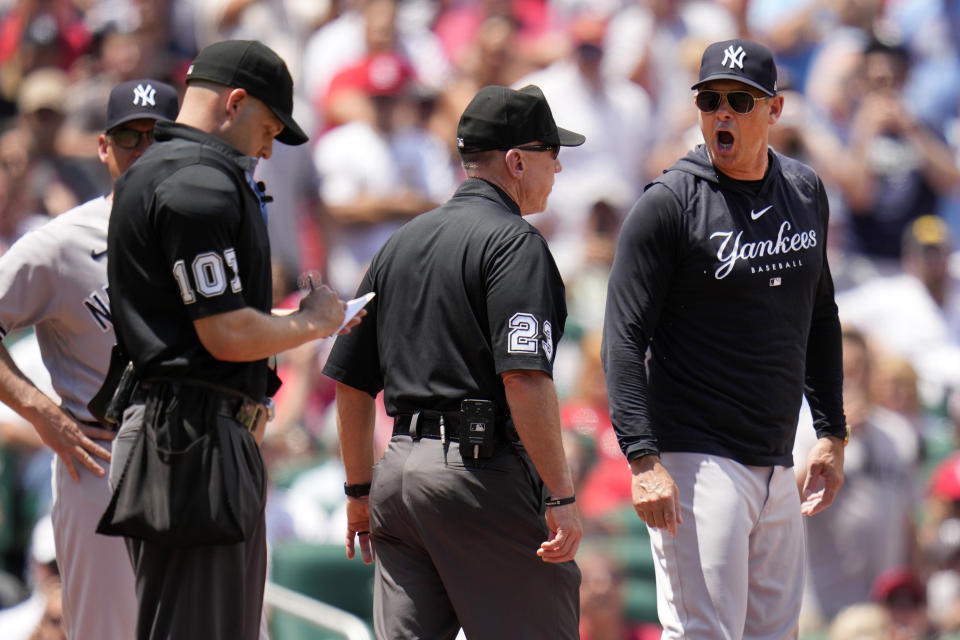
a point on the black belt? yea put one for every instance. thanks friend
(427, 425)
(234, 405)
(94, 423)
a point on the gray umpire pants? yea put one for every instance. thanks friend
(456, 546)
(213, 592)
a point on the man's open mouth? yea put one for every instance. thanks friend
(724, 140)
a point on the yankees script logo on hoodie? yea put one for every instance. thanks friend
(785, 244)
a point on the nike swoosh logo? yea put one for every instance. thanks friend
(755, 215)
(96, 255)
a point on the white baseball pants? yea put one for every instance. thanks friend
(99, 596)
(735, 569)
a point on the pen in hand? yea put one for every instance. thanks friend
(308, 281)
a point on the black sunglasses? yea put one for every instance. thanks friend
(554, 150)
(130, 138)
(742, 102)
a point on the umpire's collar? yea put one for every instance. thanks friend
(486, 189)
(164, 131)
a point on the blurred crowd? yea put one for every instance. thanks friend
(872, 94)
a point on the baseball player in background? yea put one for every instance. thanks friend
(721, 269)
(55, 279)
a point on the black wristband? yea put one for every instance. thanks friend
(356, 490)
(559, 502)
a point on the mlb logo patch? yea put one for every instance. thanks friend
(775, 282)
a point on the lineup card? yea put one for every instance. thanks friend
(353, 308)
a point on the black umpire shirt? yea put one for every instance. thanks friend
(464, 293)
(188, 240)
(728, 283)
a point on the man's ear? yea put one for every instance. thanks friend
(102, 147)
(235, 98)
(776, 108)
(514, 162)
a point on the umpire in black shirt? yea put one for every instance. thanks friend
(189, 274)
(461, 338)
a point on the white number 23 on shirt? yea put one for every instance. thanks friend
(525, 335)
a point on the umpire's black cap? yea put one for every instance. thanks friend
(143, 98)
(502, 118)
(744, 60)
(251, 65)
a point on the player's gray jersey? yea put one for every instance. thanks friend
(55, 278)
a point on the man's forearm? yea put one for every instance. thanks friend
(20, 394)
(534, 408)
(247, 335)
(356, 413)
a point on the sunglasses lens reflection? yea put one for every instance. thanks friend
(130, 138)
(740, 101)
(708, 101)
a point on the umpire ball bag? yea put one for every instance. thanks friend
(193, 477)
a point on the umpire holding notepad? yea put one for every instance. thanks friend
(471, 509)
(189, 274)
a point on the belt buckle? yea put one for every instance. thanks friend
(247, 414)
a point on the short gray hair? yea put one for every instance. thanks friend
(478, 160)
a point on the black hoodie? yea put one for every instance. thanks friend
(727, 282)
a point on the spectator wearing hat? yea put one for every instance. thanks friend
(379, 170)
(904, 596)
(190, 284)
(915, 314)
(721, 271)
(369, 27)
(471, 508)
(46, 182)
(350, 94)
(55, 279)
(54, 23)
(36, 35)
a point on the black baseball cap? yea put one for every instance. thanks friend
(744, 60)
(143, 98)
(251, 65)
(502, 118)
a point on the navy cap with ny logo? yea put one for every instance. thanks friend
(144, 98)
(744, 60)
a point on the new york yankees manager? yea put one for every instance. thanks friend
(721, 269)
